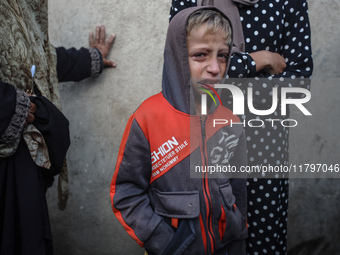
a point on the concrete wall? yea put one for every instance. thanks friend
(98, 110)
(314, 205)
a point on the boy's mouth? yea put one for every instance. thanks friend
(210, 82)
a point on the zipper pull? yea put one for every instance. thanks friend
(203, 127)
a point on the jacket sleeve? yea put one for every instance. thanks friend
(129, 197)
(239, 184)
(76, 65)
(14, 108)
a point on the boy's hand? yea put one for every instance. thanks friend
(98, 41)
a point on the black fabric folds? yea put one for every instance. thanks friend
(24, 220)
(54, 129)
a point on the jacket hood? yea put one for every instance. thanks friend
(176, 73)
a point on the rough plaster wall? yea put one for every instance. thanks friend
(314, 205)
(98, 110)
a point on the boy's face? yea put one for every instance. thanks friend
(208, 55)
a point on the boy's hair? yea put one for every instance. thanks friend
(214, 21)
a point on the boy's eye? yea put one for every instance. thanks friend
(199, 55)
(223, 57)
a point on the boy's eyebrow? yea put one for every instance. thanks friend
(207, 48)
(201, 48)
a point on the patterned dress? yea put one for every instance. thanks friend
(280, 26)
(31, 156)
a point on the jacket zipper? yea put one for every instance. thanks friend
(206, 189)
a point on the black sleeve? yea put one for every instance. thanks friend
(54, 126)
(177, 6)
(7, 105)
(14, 107)
(296, 46)
(241, 65)
(76, 65)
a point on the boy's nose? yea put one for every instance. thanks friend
(214, 67)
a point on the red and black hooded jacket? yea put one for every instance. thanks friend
(160, 190)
